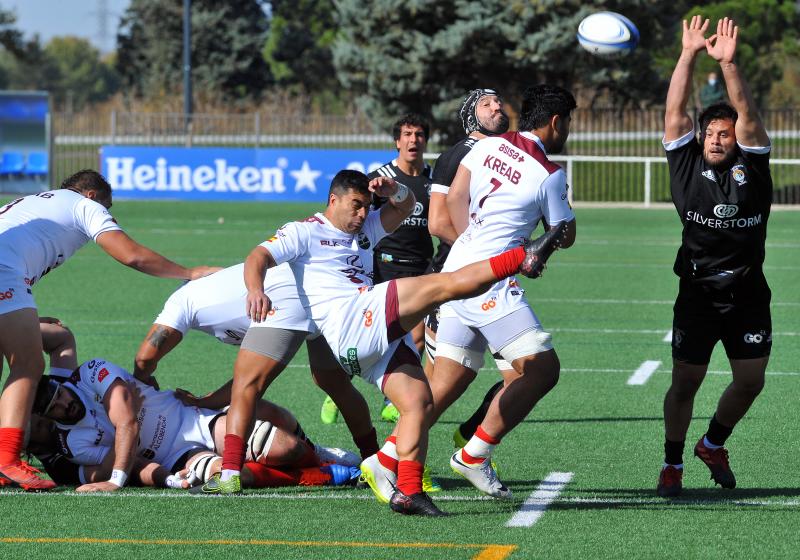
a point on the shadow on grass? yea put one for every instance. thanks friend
(614, 419)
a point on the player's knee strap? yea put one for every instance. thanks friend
(527, 344)
(260, 441)
(467, 357)
(202, 464)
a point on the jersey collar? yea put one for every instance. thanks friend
(532, 136)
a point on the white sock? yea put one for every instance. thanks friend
(390, 449)
(228, 474)
(476, 447)
(709, 444)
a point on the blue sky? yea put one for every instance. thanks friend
(50, 18)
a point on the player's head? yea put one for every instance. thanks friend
(718, 133)
(57, 402)
(411, 133)
(482, 112)
(546, 111)
(349, 199)
(42, 438)
(90, 184)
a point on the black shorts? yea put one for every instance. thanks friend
(385, 271)
(739, 317)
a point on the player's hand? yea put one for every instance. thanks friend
(694, 34)
(383, 187)
(722, 45)
(187, 398)
(150, 380)
(50, 321)
(105, 486)
(258, 306)
(200, 271)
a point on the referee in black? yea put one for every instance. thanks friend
(722, 190)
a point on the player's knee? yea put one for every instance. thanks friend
(749, 387)
(28, 366)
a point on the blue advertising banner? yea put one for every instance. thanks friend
(234, 174)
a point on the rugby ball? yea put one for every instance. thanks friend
(608, 34)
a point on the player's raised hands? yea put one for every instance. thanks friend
(722, 45)
(383, 187)
(694, 39)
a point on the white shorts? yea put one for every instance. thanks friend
(195, 433)
(15, 294)
(503, 298)
(365, 333)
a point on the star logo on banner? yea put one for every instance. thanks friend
(305, 178)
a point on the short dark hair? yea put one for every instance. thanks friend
(715, 112)
(541, 102)
(87, 180)
(349, 180)
(411, 119)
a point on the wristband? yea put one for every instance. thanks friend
(118, 477)
(401, 194)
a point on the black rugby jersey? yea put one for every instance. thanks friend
(724, 212)
(411, 241)
(443, 174)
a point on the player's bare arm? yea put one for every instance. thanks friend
(255, 268)
(458, 200)
(439, 223)
(401, 201)
(130, 253)
(158, 343)
(677, 121)
(119, 403)
(217, 399)
(721, 47)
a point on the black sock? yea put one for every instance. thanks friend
(717, 433)
(468, 428)
(301, 435)
(673, 452)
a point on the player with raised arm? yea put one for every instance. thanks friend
(503, 188)
(365, 326)
(38, 233)
(482, 115)
(722, 190)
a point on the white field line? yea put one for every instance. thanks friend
(537, 503)
(668, 337)
(643, 372)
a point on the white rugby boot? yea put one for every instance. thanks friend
(481, 476)
(381, 480)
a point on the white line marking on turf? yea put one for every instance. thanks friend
(668, 336)
(537, 503)
(641, 375)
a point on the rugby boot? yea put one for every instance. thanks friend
(429, 484)
(381, 480)
(415, 504)
(670, 482)
(22, 475)
(717, 462)
(329, 412)
(215, 485)
(481, 475)
(459, 442)
(336, 455)
(341, 475)
(389, 413)
(538, 250)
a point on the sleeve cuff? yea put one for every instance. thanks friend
(441, 189)
(679, 143)
(756, 149)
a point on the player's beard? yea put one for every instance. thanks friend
(723, 164)
(498, 124)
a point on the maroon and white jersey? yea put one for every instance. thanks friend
(41, 231)
(512, 187)
(328, 264)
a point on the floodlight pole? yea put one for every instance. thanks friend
(187, 63)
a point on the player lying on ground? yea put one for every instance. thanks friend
(365, 326)
(38, 233)
(216, 305)
(104, 417)
(722, 189)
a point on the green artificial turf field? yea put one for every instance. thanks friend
(608, 302)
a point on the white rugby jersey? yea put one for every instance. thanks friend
(88, 441)
(513, 185)
(216, 304)
(327, 263)
(41, 231)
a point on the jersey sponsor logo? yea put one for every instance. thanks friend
(725, 210)
(490, 304)
(351, 361)
(8, 294)
(102, 375)
(368, 321)
(363, 241)
(738, 174)
(159, 433)
(61, 437)
(677, 337)
(356, 268)
(740, 223)
(757, 338)
(709, 174)
(512, 153)
(148, 454)
(419, 208)
(334, 242)
(499, 166)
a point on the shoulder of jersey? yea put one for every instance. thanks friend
(386, 170)
(531, 148)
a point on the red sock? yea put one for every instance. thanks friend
(11, 445)
(387, 460)
(486, 437)
(269, 477)
(367, 444)
(506, 264)
(409, 477)
(233, 455)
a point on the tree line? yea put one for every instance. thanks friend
(392, 56)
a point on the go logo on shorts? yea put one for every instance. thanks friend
(757, 338)
(487, 305)
(8, 294)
